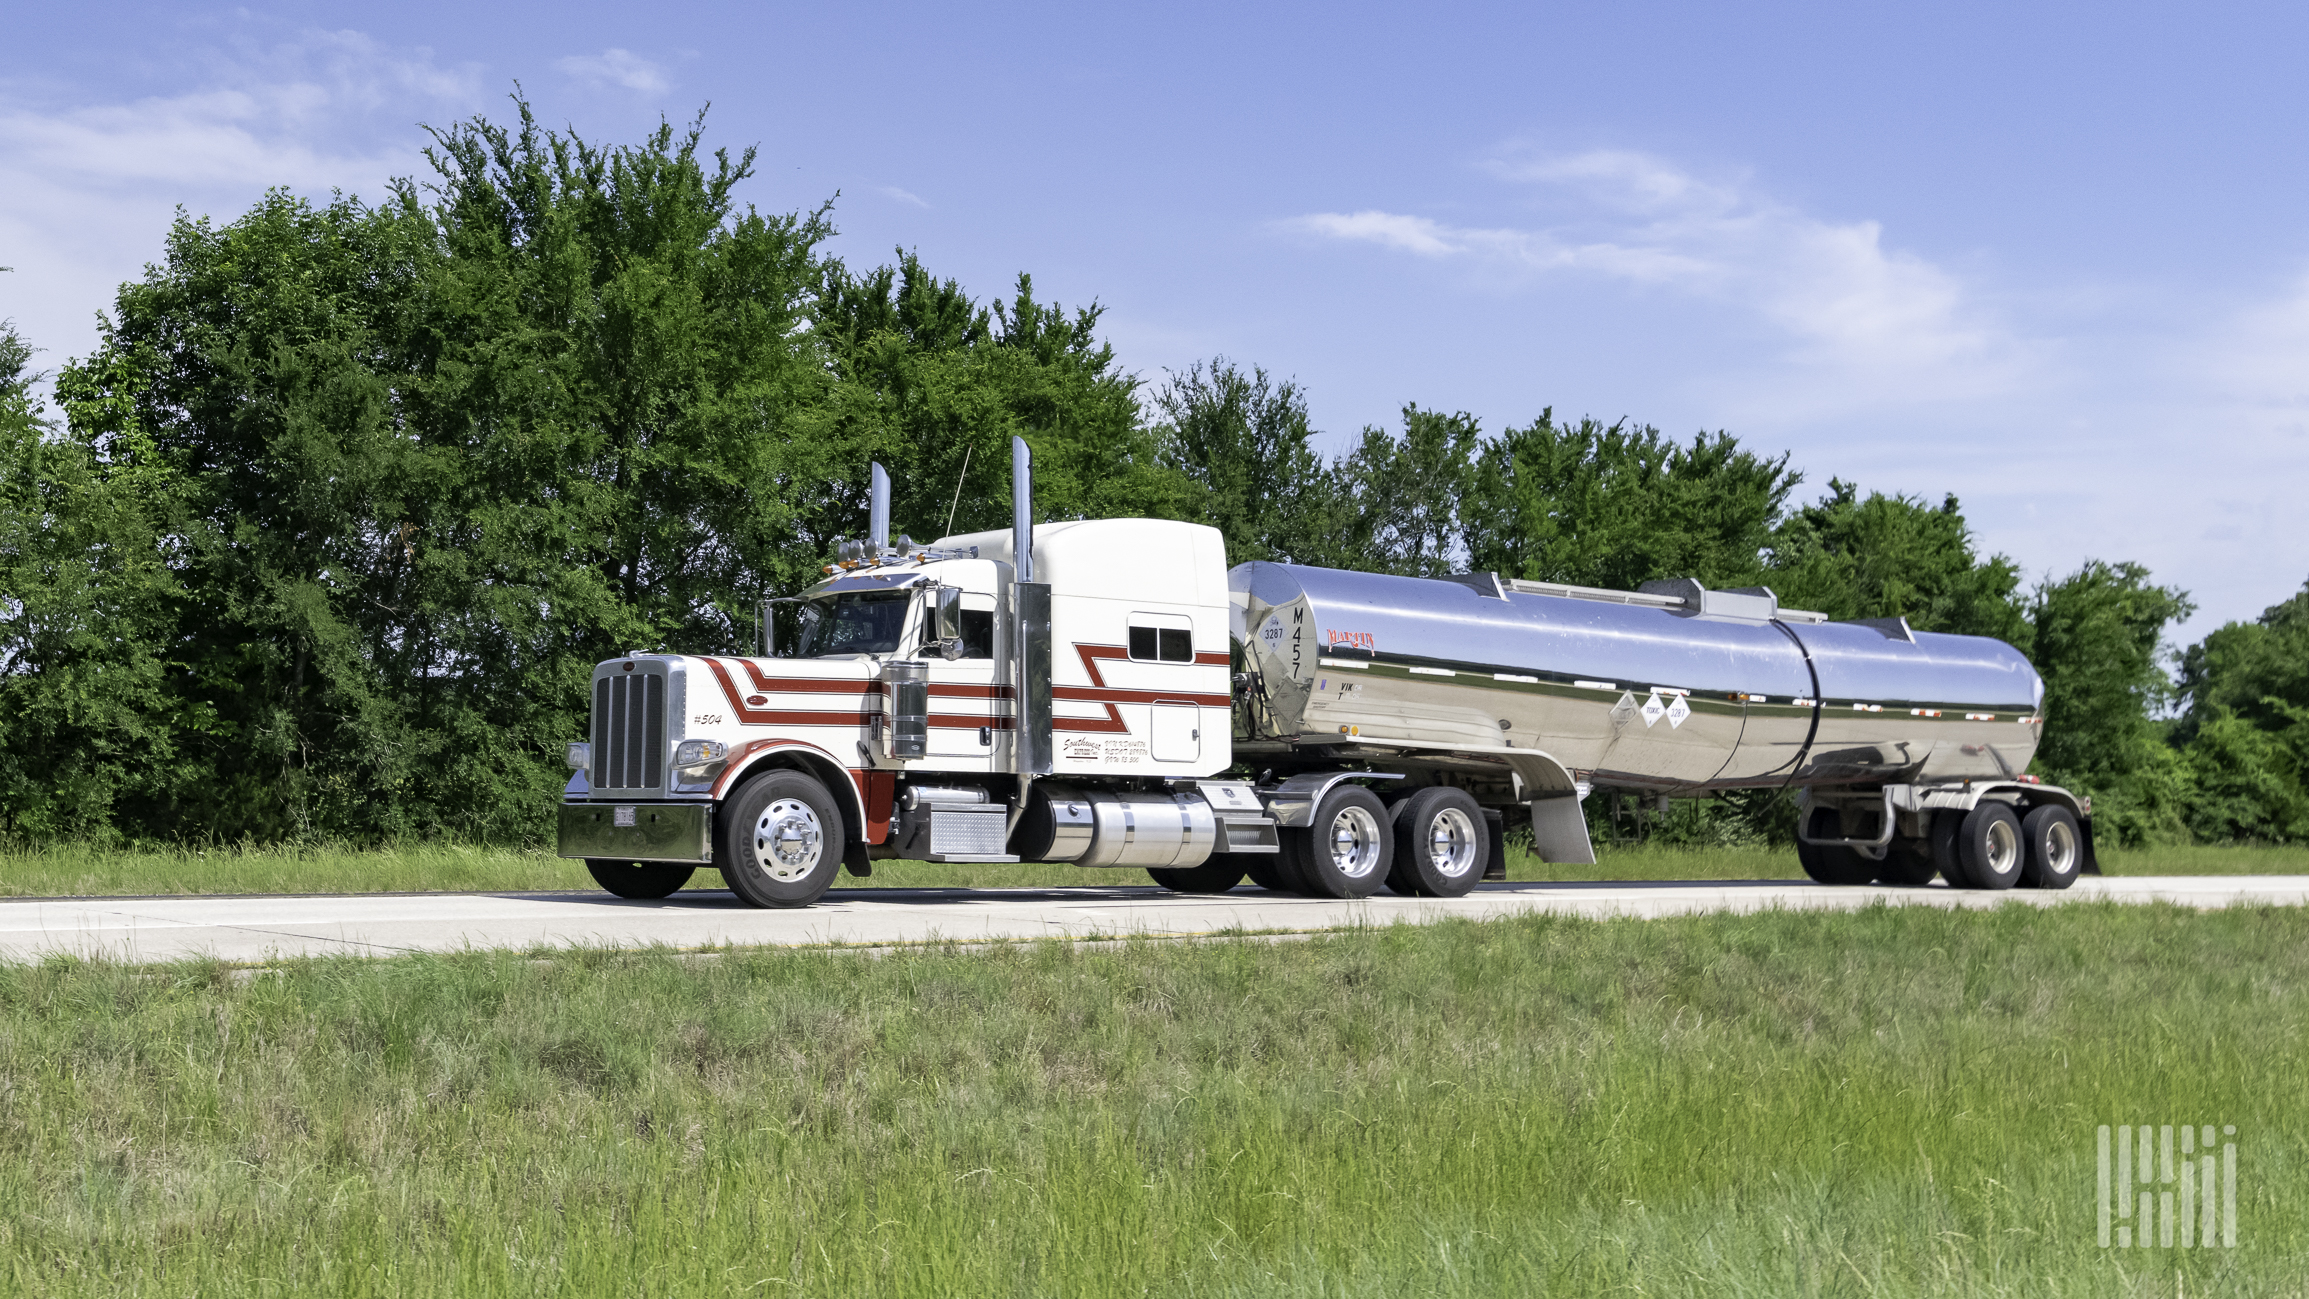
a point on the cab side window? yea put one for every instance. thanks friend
(977, 633)
(1162, 638)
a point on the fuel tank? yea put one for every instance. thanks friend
(1670, 688)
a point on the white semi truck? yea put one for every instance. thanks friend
(1108, 692)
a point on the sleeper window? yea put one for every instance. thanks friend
(1162, 638)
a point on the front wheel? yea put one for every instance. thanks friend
(638, 879)
(779, 840)
(1214, 876)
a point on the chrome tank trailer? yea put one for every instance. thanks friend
(1671, 688)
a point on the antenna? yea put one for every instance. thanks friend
(958, 491)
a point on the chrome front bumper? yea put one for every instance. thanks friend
(674, 832)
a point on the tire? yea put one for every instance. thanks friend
(1907, 863)
(1347, 851)
(1214, 876)
(779, 840)
(2055, 849)
(1830, 865)
(638, 879)
(1991, 847)
(1940, 840)
(1441, 844)
(1266, 869)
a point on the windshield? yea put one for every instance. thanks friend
(854, 622)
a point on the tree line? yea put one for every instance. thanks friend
(325, 536)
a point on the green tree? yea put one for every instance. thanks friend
(1895, 556)
(2099, 641)
(2255, 670)
(1396, 502)
(437, 459)
(2246, 731)
(1241, 442)
(1617, 505)
(935, 384)
(87, 724)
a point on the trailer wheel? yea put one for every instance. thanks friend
(638, 879)
(1441, 844)
(1907, 863)
(1346, 852)
(1940, 840)
(779, 840)
(1828, 864)
(1991, 846)
(2055, 849)
(1214, 876)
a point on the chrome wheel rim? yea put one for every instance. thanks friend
(2060, 849)
(1453, 847)
(789, 840)
(2003, 848)
(1354, 842)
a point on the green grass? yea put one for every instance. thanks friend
(2206, 859)
(66, 871)
(1891, 1102)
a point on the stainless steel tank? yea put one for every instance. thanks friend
(1671, 688)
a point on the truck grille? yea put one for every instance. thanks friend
(629, 731)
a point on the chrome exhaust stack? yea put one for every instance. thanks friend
(1022, 508)
(878, 514)
(1030, 607)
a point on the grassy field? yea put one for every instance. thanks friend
(76, 871)
(1891, 1102)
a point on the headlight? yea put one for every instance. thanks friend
(697, 753)
(580, 756)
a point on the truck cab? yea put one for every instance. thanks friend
(907, 704)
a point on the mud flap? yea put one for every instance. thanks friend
(1559, 830)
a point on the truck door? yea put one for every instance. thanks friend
(963, 694)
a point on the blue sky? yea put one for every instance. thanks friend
(2052, 259)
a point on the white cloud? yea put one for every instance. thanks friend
(87, 189)
(615, 67)
(1890, 323)
(902, 196)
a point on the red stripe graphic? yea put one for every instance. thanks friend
(1099, 692)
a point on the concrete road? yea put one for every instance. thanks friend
(256, 929)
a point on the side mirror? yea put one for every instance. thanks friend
(945, 630)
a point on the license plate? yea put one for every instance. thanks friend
(621, 817)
